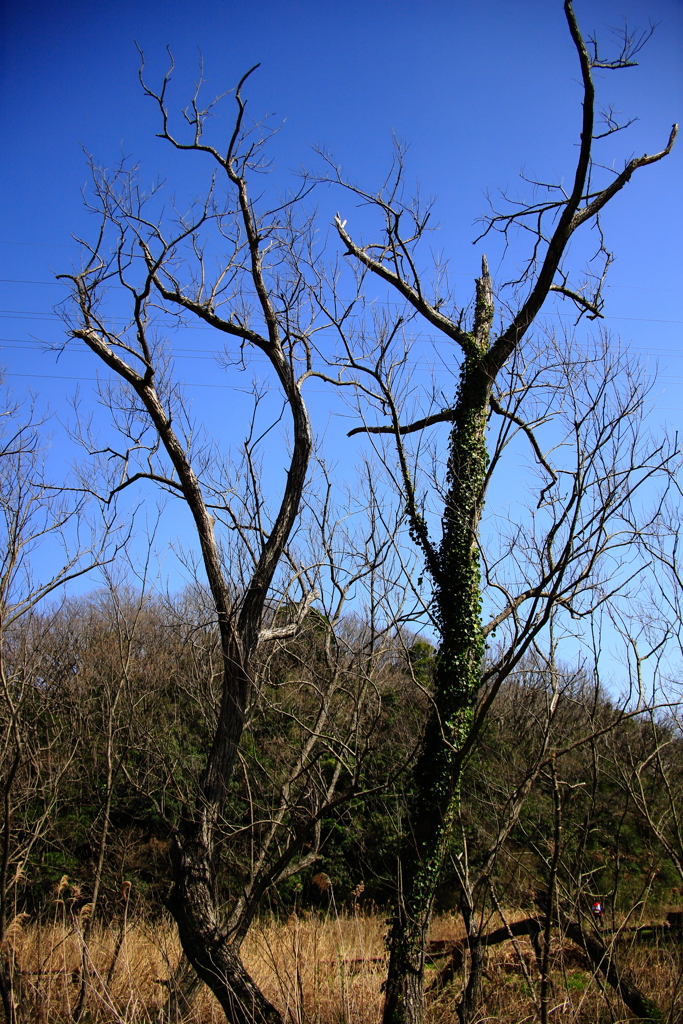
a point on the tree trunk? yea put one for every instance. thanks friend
(405, 978)
(207, 946)
(211, 949)
(7, 971)
(99, 871)
(437, 773)
(472, 994)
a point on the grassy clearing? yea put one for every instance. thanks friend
(317, 968)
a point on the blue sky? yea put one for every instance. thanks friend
(479, 91)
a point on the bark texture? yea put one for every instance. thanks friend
(210, 950)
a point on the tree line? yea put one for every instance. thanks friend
(118, 699)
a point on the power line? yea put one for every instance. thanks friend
(35, 345)
(184, 384)
(27, 314)
(672, 381)
(457, 273)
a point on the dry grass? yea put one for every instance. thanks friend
(318, 969)
(321, 969)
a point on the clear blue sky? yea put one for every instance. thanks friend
(480, 91)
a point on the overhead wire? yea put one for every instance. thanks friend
(32, 314)
(42, 316)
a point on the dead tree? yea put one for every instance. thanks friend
(600, 956)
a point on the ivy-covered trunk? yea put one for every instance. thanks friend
(454, 563)
(434, 804)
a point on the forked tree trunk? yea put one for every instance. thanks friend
(213, 951)
(209, 948)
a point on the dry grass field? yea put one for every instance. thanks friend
(317, 968)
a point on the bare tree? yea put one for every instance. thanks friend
(270, 577)
(273, 326)
(647, 763)
(583, 515)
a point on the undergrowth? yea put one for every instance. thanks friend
(317, 968)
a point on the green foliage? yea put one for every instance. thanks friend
(422, 658)
(70, 664)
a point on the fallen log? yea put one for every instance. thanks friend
(600, 957)
(530, 926)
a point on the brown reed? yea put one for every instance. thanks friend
(317, 968)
